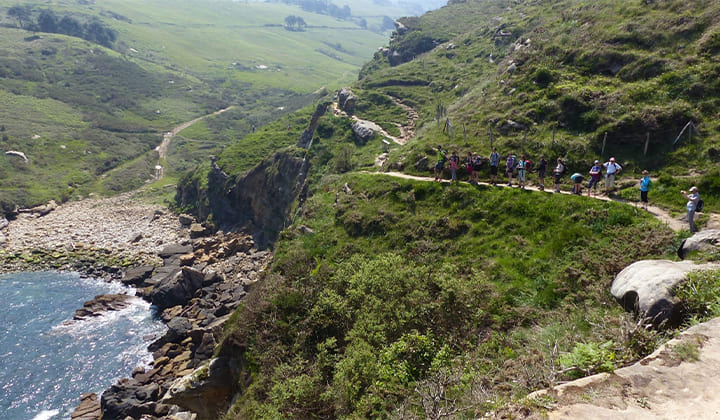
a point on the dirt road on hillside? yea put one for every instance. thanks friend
(167, 137)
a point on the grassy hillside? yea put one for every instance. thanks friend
(81, 111)
(396, 298)
(610, 73)
(401, 290)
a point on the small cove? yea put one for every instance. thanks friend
(47, 361)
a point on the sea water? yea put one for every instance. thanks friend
(47, 360)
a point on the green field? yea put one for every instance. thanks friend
(171, 62)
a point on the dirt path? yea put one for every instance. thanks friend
(659, 213)
(407, 130)
(167, 137)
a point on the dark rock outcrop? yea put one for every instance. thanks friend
(307, 134)
(196, 301)
(177, 289)
(89, 408)
(259, 200)
(129, 398)
(206, 391)
(346, 100)
(137, 275)
(100, 305)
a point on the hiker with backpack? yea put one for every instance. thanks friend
(559, 171)
(440, 165)
(595, 172)
(494, 163)
(612, 170)
(522, 168)
(645, 184)
(510, 164)
(469, 167)
(542, 167)
(694, 204)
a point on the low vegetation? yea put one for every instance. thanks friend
(400, 291)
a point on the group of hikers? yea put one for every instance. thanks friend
(522, 166)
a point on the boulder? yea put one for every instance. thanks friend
(137, 275)
(100, 305)
(703, 241)
(186, 220)
(89, 408)
(346, 99)
(364, 130)
(206, 391)
(198, 231)
(646, 286)
(178, 289)
(128, 398)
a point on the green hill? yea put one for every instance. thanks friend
(396, 298)
(89, 117)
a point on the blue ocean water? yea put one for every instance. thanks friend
(47, 361)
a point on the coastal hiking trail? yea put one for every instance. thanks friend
(659, 213)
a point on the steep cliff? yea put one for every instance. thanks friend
(257, 201)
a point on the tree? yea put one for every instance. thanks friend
(20, 13)
(294, 23)
(70, 26)
(96, 32)
(290, 21)
(47, 21)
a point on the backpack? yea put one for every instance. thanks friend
(700, 204)
(528, 165)
(646, 183)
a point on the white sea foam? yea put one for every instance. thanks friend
(46, 414)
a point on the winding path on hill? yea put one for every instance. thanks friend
(167, 137)
(659, 213)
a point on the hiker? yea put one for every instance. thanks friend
(693, 200)
(440, 165)
(477, 163)
(559, 171)
(644, 188)
(612, 170)
(595, 172)
(510, 167)
(577, 183)
(494, 163)
(454, 163)
(522, 166)
(469, 167)
(542, 167)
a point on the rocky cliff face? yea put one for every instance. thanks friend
(257, 201)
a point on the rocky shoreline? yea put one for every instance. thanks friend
(195, 280)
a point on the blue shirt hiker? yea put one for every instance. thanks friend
(645, 184)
